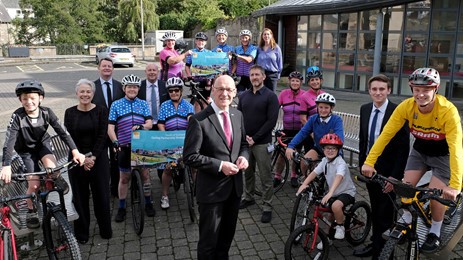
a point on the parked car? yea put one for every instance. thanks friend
(120, 55)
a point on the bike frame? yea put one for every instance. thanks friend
(6, 225)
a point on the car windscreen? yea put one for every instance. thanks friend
(120, 50)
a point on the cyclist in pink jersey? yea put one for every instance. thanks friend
(171, 61)
(290, 100)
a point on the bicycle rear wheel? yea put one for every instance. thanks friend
(358, 223)
(59, 237)
(7, 246)
(284, 173)
(188, 186)
(137, 199)
(303, 243)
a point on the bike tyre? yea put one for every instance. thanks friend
(294, 240)
(189, 191)
(137, 199)
(388, 248)
(64, 234)
(284, 174)
(196, 100)
(353, 219)
(299, 215)
(7, 245)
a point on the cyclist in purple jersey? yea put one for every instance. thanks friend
(173, 116)
(244, 57)
(128, 114)
(290, 101)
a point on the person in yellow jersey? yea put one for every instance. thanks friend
(435, 123)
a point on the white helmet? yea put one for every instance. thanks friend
(424, 77)
(221, 31)
(169, 36)
(326, 98)
(131, 80)
(174, 82)
(246, 32)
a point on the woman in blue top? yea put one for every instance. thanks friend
(269, 57)
(319, 125)
(221, 35)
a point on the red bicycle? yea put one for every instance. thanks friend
(7, 239)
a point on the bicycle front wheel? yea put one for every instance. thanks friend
(305, 243)
(188, 185)
(7, 246)
(358, 223)
(279, 156)
(60, 240)
(137, 199)
(301, 209)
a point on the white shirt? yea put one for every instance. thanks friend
(218, 113)
(149, 95)
(379, 120)
(105, 92)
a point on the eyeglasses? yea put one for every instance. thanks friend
(221, 90)
(174, 90)
(330, 149)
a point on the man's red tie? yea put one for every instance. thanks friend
(227, 129)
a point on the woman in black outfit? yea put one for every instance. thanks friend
(87, 124)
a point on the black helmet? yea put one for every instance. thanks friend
(201, 36)
(29, 86)
(180, 44)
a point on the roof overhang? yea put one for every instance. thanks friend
(304, 7)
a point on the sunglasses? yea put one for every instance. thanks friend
(174, 90)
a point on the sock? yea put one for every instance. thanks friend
(147, 200)
(435, 227)
(293, 175)
(406, 217)
(122, 203)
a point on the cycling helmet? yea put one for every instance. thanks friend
(331, 139)
(169, 36)
(295, 74)
(174, 82)
(201, 36)
(326, 98)
(314, 72)
(131, 80)
(29, 86)
(424, 77)
(221, 31)
(245, 32)
(180, 44)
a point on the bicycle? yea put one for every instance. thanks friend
(416, 201)
(7, 238)
(310, 242)
(59, 237)
(137, 200)
(182, 174)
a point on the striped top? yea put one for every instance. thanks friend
(175, 119)
(242, 67)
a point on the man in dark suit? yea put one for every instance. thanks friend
(106, 86)
(219, 151)
(390, 164)
(146, 91)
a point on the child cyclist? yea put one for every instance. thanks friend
(436, 126)
(341, 187)
(27, 135)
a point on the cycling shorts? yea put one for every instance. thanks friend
(439, 165)
(346, 199)
(123, 158)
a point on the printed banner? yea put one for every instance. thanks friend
(209, 63)
(156, 148)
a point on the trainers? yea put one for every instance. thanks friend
(32, 220)
(266, 217)
(431, 244)
(120, 216)
(165, 202)
(149, 209)
(294, 182)
(320, 244)
(276, 182)
(340, 232)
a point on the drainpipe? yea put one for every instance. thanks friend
(280, 35)
(378, 43)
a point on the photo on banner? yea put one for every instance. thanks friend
(209, 63)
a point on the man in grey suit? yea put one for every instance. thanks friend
(215, 144)
(391, 163)
(146, 91)
(106, 86)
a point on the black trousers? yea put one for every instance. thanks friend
(217, 224)
(97, 180)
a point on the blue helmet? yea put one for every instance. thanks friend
(314, 72)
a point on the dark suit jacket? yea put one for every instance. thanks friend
(394, 157)
(98, 98)
(163, 96)
(206, 146)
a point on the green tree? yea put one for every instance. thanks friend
(206, 11)
(130, 18)
(234, 8)
(109, 19)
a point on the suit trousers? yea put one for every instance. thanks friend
(260, 157)
(217, 224)
(98, 181)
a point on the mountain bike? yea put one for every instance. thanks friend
(58, 234)
(7, 238)
(310, 242)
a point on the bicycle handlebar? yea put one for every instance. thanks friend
(18, 197)
(279, 134)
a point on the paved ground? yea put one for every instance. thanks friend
(170, 234)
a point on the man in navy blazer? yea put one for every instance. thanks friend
(105, 69)
(391, 163)
(152, 72)
(220, 159)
